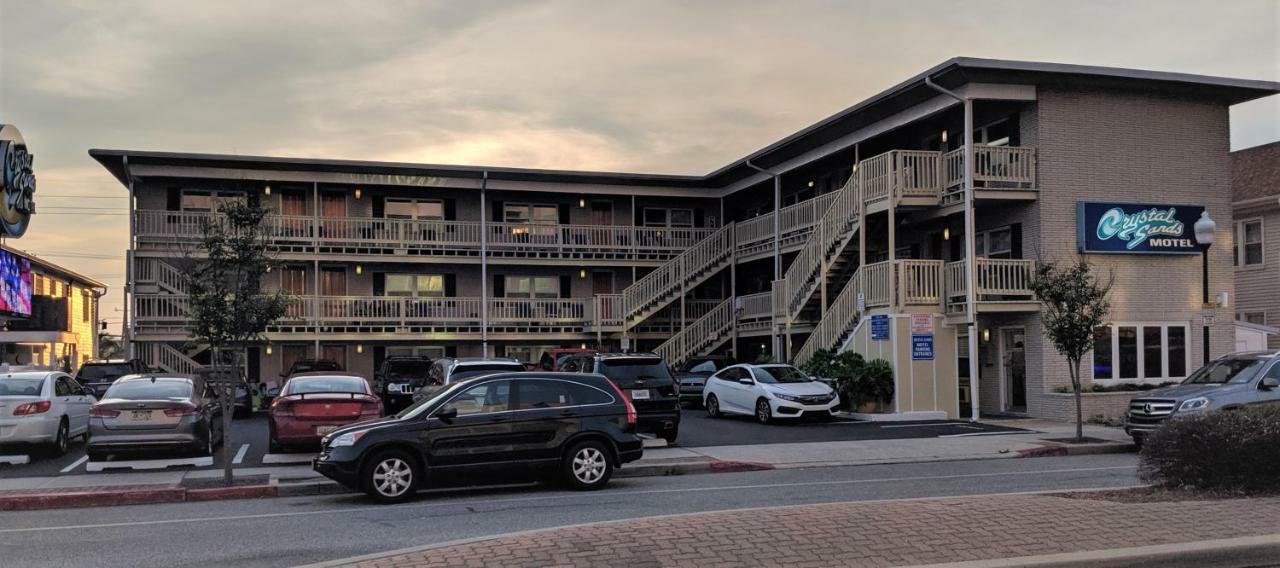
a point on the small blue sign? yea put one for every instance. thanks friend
(1136, 228)
(879, 328)
(921, 347)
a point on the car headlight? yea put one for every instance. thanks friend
(1193, 404)
(787, 397)
(348, 439)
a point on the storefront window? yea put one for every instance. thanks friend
(1177, 351)
(1102, 366)
(1152, 352)
(1148, 351)
(1128, 352)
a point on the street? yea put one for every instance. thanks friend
(248, 440)
(291, 531)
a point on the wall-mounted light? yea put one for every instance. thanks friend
(986, 335)
(268, 349)
(582, 202)
(946, 233)
(944, 136)
(359, 348)
(359, 269)
(810, 183)
(582, 273)
(268, 269)
(584, 345)
(267, 190)
(359, 193)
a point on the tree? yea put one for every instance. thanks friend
(228, 309)
(109, 347)
(1074, 304)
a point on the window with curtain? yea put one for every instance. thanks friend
(415, 285)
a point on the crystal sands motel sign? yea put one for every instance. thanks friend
(1136, 228)
(17, 183)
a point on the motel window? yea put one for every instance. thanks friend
(1259, 318)
(84, 307)
(996, 243)
(532, 287)
(1248, 240)
(1140, 351)
(656, 217)
(415, 285)
(527, 353)
(293, 280)
(536, 213)
(202, 200)
(426, 209)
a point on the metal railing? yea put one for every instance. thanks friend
(706, 331)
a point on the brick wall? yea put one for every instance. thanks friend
(1062, 406)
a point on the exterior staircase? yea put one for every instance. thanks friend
(168, 358)
(836, 323)
(668, 282)
(821, 256)
(701, 336)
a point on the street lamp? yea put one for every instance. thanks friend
(1204, 235)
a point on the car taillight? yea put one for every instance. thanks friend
(97, 412)
(631, 409)
(282, 406)
(181, 411)
(32, 408)
(371, 405)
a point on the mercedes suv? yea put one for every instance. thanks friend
(1230, 382)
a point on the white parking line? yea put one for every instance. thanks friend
(932, 425)
(76, 464)
(15, 460)
(148, 464)
(287, 458)
(998, 433)
(244, 448)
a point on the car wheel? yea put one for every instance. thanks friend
(670, 435)
(587, 466)
(208, 445)
(63, 439)
(764, 413)
(391, 477)
(713, 406)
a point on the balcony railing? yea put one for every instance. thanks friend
(999, 280)
(755, 235)
(995, 167)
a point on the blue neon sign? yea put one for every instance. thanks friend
(1136, 228)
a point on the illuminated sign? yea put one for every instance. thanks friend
(17, 182)
(1133, 228)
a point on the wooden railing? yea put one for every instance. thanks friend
(805, 273)
(874, 283)
(702, 333)
(919, 282)
(608, 311)
(657, 288)
(998, 279)
(755, 235)
(166, 357)
(876, 176)
(917, 173)
(755, 306)
(995, 167)
(835, 323)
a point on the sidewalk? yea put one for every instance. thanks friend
(1026, 528)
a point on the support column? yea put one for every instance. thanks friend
(484, 267)
(971, 261)
(126, 326)
(315, 265)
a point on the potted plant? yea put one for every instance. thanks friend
(874, 386)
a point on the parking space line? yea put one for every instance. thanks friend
(244, 448)
(287, 458)
(997, 433)
(75, 464)
(15, 460)
(931, 425)
(148, 464)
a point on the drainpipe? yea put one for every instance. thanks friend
(484, 267)
(777, 251)
(971, 261)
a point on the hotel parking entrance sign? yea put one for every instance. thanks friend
(1136, 228)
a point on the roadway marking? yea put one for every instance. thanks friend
(244, 448)
(15, 460)
(149, 464)
(288, 458)
(933, 425)
(560, 496)
(1002, 432)
(77, 463)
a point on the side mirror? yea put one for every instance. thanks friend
(447, 413)
(746, 381)
(273, 391)
(1269, 383)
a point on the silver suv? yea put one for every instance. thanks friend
(1227, 383)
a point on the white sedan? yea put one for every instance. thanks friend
(43, 407)
(768, 392)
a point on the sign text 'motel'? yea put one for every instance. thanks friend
(922, 347)
(1135, 228)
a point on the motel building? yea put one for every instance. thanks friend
(906, 227)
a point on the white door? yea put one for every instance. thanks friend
(75, 405)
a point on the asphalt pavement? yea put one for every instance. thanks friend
(289, 531)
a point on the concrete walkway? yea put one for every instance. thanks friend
(1017, 530)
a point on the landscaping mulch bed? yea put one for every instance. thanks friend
(1156, 494)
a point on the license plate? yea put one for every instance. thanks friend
(322, 430)
(640, 394)
(140, 415)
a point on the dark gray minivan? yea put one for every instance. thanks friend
(1230, 382)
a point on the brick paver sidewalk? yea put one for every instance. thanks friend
(885, 533)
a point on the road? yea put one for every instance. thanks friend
(248, 440)
(291, 531)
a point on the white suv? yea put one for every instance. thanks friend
(768, 392)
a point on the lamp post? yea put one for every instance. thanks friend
(1204, 235)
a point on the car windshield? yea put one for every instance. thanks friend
(309, 366)
(400, 370)
(782, 374)
(95, 373)
(704, 367)
(314, 385)
(21, 387)
(145, 389)
(635, 369)
(1234, 370)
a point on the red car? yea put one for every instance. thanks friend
(312, 405)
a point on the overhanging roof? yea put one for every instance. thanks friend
(949, 74)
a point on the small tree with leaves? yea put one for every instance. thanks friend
(1074, 304)
(229, 311)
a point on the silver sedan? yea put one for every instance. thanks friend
(150, 413)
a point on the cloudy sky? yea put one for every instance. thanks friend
(672, 87)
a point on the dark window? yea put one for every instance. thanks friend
(151, 390)
(1102, 362)
(542, 394)
(1177, 351)
(311, 385)
(21, 387)
(1152, 352)
(62, 388)
(1128, 353)
(481, 399)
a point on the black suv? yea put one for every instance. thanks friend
(98, 375)
(398, 378)
(578, 427)
(646, 380)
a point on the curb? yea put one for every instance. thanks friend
(1250, 551)
(105, 498)
(1057, 449)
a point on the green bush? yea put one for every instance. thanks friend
(1232, 451)
(857, 380)
(1122, 387)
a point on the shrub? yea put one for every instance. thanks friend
(1231, 451)
(1122, 387)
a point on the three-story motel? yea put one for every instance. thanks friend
(906, 227)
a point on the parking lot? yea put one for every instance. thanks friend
(248, 443)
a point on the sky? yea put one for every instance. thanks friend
(656, 86)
